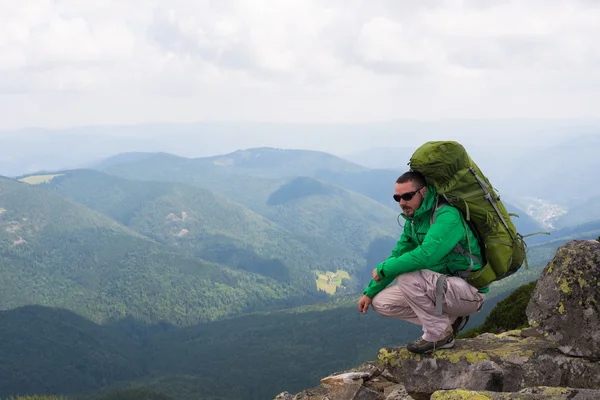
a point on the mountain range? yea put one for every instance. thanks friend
(268, 227)
(263, 171)
(236, 259)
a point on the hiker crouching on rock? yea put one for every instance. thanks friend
(425, 253)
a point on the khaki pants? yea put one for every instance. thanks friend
(412, 298)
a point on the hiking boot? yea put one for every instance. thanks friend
(459, 324)
(421, 346)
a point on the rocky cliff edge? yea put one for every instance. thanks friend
(557, 358)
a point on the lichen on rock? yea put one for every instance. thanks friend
(505, 362)
(534, 393)
(563, 303)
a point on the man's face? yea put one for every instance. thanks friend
(409, 189)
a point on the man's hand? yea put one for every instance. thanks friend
(363, 304)
(375, 276)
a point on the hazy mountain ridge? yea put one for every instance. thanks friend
(376, 184)
(191, 218)
(262, 162)
(122, 158)
(587, 210)
(574, 163)
(335, 220)
(279, 163)
(36, 150)
(518, 173)
(90, 143)
(525, 175)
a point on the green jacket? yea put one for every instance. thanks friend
(425, 246)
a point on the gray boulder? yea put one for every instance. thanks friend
(507, 362)
(564, 304)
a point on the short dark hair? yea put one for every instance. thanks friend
(413, 176)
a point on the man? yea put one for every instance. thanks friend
(425, 253)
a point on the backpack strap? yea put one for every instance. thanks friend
(488, 196)
(439, 287)
(458, 248)
(439, 294)
(436, 206)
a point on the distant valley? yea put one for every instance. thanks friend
(529, 177)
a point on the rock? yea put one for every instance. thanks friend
(563, 393)
(351, 391)
(531, 332)
(537, 393)
(345, 378)
(398, 393)
(506, 362)
(363, 383)
(382, 386)
(372, 369)
(284, 396)
(367, 371)
(388, 376)
(564, 303)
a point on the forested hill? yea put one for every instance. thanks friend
(181, 253)
(60, 253)
(294, 227)
(193, 220)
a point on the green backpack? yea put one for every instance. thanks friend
(457, 179)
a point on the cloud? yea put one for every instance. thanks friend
(339, 59)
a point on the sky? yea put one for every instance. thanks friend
(68, 63)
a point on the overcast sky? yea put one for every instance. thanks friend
(73, 62)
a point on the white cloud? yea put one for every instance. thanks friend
(296, 60)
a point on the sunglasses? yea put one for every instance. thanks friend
(406, 196)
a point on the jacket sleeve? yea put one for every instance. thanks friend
(442, 236)
(403, 245)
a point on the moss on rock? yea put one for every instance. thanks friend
(564, 301)
(458, 394)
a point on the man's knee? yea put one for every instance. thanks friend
(392, 304)
(379, 303)
(386, 305)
